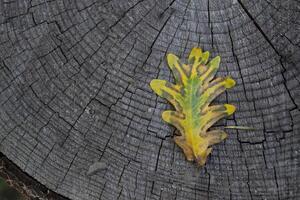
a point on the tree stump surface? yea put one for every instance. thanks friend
(74, 90)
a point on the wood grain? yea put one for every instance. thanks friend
(74, 90)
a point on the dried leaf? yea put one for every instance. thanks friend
(194, 89)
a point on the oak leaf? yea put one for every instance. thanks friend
(192, 94)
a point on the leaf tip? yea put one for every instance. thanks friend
(218, 59)
(165, 116)
(155, 84)
(230, 109)
(195, 53)
(172, 59)
(229, 83)
(205, 57)
(223, 136)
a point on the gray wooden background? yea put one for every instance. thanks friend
(74, 89)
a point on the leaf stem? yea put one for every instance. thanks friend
(240, 127)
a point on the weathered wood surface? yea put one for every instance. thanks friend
(74, 89)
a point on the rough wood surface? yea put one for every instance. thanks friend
(74, 90)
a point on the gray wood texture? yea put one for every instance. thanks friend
(74, 90)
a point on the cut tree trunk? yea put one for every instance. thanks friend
(74, 90)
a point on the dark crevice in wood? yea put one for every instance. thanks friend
(26, 184)
(237, 62)
(210, 24)
(273, 47)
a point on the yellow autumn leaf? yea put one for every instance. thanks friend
(194, 89)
